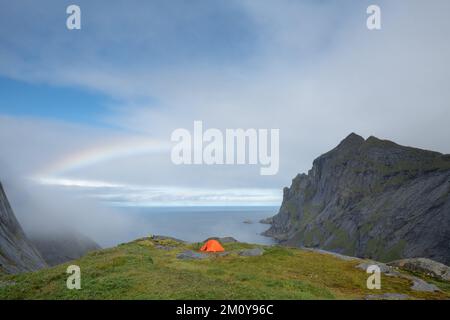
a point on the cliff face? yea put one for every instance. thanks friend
(370, 198)
(17, 254)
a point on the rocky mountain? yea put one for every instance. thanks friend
(63, 247)
(370, 198)
(17, 254)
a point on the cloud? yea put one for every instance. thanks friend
(156, 196)
(47, 210)
(308, 68)
(320, 76)
(311, 69)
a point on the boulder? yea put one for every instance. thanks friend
(422, 265)
(420, 285)
(417, 284)
(191, 255)
(384, 268)
(251, 252)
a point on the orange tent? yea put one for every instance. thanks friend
(212, 246)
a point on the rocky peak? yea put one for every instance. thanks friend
(371, 198)
(378, 159)
(351, 141)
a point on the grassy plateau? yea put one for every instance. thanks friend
(149, 269)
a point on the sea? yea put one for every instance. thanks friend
(195, 224)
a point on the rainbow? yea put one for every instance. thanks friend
(102, 153)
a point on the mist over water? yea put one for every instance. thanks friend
(50, 211)
(195, 224)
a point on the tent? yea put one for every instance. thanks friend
(212, 246)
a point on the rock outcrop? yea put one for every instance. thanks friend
(192, 255)
(370, 198)
(17, 253)
(426, 266)
(251, 252)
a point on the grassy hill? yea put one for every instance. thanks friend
(149, 269)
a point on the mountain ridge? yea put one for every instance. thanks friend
(370, 198)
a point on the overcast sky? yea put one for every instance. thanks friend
(93, 109)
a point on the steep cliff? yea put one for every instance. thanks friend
(17, 254)
(370, 198)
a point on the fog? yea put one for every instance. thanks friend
(308, 68)
(51, 212)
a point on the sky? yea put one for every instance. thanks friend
(91, 111)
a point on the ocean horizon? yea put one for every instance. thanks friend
(197, 223)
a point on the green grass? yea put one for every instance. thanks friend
(138, 270)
